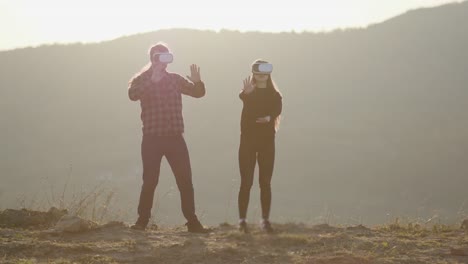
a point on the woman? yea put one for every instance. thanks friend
(262, 105)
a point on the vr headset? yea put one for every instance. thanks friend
(163, 57)
(262, 68)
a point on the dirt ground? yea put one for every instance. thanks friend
(30, 238)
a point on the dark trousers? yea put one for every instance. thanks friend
(153, 148)
(251, 150)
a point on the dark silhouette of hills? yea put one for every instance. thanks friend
(375, 121)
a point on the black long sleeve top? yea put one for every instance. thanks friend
(260, 103)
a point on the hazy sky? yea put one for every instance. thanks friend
(34, 22)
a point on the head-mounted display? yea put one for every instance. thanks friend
(262, 68)
(163, 57)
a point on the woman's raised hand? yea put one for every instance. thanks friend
(249, 86)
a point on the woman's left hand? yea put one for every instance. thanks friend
(264, 119)
(194, 73)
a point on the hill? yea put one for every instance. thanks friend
(375, 121)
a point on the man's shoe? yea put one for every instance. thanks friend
(243, 227)
(139, 225)
(266, 226)
(196, 227)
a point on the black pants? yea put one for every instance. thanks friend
(153, 148)
(251, 150)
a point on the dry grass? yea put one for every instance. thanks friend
(292, 243)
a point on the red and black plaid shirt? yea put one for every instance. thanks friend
(161, 102)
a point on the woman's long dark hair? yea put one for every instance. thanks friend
(270, 85)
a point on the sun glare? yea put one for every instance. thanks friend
(50, 21)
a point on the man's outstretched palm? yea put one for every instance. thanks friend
(194, 73)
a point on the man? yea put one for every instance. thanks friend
(160, 95)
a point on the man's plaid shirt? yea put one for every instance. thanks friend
(161, 102)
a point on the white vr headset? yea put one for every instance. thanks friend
(163, 57)
(262, 68)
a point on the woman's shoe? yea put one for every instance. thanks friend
(243, 227)
(266, 226)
